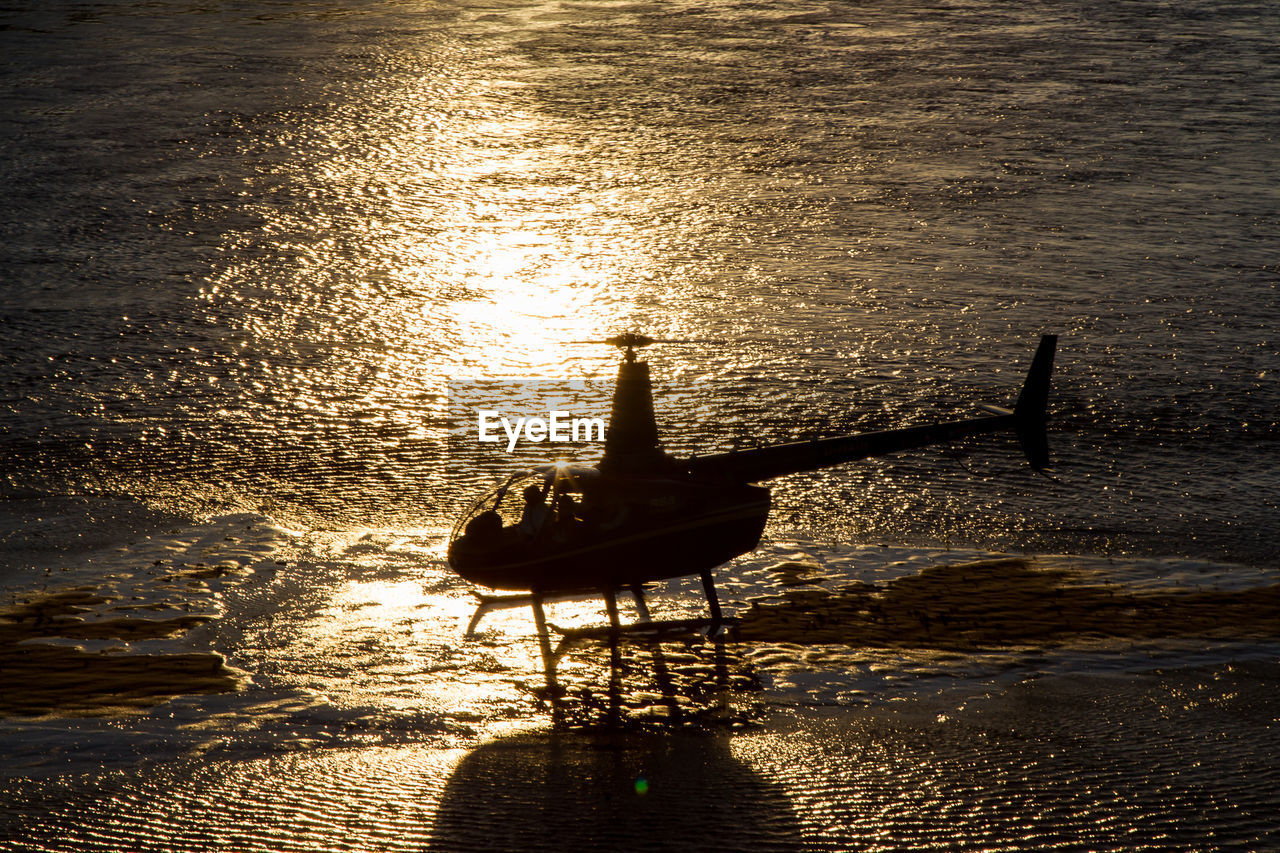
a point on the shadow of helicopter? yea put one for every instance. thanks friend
(575, 791)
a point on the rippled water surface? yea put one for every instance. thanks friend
(245, 247)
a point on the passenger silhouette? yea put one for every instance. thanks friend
(565, 520)
(535, 510)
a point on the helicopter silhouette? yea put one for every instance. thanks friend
(641, 515)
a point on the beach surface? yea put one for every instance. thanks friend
(868, 698)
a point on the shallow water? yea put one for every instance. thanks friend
(246, 246)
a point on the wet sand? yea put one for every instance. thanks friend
(55, 662)
(998, 603)
(684, 745)
(1180, 760)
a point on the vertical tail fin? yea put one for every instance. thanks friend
(1032, 405)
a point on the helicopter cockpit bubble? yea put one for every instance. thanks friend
(522, 501)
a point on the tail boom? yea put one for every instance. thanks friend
(1027, 420)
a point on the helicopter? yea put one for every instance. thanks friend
(573, 531)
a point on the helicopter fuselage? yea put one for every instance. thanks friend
(602, 531)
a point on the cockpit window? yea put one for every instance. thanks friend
(507, 500)
(524, 501)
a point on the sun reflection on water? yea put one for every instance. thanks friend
(454, 233)
(393, 643)
(536, 297)
(539, 264)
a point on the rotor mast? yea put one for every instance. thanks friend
(631, 442)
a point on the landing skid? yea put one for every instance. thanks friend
(661, 630)
(646, 628)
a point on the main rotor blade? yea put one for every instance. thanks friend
(647, 340)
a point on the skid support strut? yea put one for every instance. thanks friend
(713, 601)
(642, 606)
